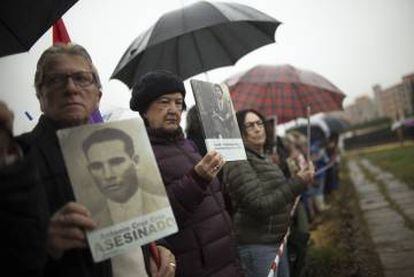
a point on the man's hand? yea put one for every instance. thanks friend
(6, 117)
(9, 151)
(275, 158)
(210, 165)
(66, 229)
(167, 264)
(6, 128)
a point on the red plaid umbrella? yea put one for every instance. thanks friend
(284, 91)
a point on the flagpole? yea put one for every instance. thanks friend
(206, 76)
(275, 134)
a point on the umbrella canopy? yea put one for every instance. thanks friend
(284, 91)
(317, 133)
(322, 127)
(336, 125)
(23, 22)
(196, 38)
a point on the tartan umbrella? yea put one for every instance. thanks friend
(196, 38)
(284, 91)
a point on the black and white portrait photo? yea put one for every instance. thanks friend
(218, 119)
(114, 175)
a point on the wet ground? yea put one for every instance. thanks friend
(387, 205)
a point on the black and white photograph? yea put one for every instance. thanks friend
(218, 119)
(113, 173)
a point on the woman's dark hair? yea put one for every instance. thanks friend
(241, 117)
(194, 130)
(283, 154)
(109, 134)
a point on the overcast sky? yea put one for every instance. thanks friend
(353, 43)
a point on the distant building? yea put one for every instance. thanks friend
(408, 82)
(396, 101)
(363, 110)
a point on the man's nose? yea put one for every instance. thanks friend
(107, 171)
(71, 86)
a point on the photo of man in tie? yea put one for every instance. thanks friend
(114, 167)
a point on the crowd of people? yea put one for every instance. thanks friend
(231, 216)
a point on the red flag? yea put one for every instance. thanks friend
(60, 34)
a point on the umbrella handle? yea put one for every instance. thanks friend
(308, 132)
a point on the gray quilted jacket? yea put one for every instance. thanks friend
(261, 198)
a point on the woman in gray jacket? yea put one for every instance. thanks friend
(261, 198)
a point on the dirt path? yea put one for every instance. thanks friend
(388, 208)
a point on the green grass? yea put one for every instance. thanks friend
(399, 161)
(328, 260)
(393, 204)
(341, 245)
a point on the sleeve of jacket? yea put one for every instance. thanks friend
(246, 188)
(186, 194)
(147, 256)
(24, 216)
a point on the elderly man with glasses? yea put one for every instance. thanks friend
(68, 88)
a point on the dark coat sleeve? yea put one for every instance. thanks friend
(186, 194)
(24, 217)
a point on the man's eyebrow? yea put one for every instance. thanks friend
(117, 158)
(94, 164)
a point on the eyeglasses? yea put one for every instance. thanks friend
(81, 79)
(250, 125)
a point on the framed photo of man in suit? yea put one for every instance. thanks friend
(115, 176)
(218, 119)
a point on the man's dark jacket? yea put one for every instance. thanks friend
(23, 220)
(42, 144)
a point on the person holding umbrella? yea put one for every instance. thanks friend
(204, 245)
(262, 197)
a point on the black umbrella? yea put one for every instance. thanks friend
(336, 125)
(23, 22)
(195, 39)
